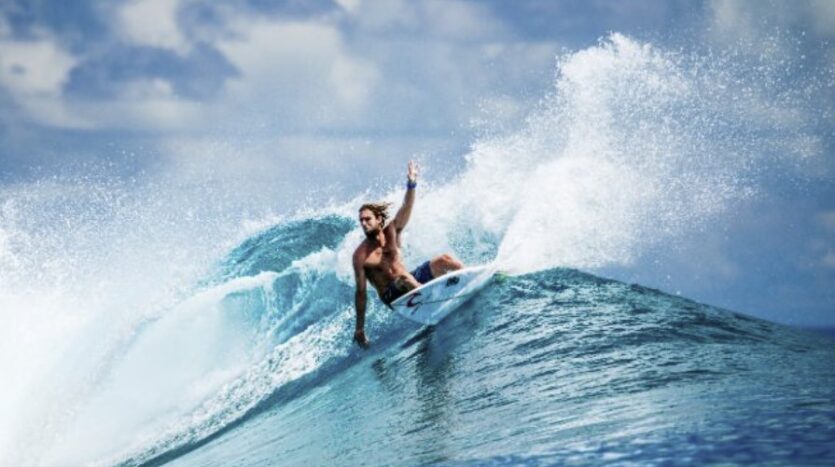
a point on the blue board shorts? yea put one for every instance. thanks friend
(422, 274)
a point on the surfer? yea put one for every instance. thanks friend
(377, 259)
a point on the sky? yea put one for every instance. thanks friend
(314, 100)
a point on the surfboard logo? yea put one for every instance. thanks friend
(411, 303)
(452, 281)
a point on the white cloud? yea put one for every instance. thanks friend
(728, 15)
(751, 24)
(152, 23)
(447, 19)
(349, 5)
(283, 172)
(397, 14)
(297, 73)
(755, 22)
(148, 104)
(458, 20)
(34, 67)
(33, 73)
(302, 75)
(300, 70)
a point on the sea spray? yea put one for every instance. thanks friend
(635, 148)
(87, 263)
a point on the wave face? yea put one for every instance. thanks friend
(554, 366)
(131, 343)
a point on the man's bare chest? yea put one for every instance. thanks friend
(379, 257)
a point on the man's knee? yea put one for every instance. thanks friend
(449, 261)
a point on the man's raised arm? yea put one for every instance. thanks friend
(405, 211)
(360, 301)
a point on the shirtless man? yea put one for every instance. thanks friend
(378, 259)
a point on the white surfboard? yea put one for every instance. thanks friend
(433, 301)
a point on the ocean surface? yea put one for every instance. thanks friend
(553, 367)
(169, 321)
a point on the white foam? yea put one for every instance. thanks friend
(635, 147)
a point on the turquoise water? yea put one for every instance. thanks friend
(557, 366)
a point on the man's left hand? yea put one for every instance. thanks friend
(361, 340)
(413, 172)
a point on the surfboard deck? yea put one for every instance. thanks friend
(435, 300)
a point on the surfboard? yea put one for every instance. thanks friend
(435, 300)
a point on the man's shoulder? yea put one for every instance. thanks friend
(361, 249)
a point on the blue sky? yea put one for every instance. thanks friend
(292, 94)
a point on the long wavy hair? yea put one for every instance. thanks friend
(379, 209)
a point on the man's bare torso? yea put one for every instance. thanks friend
(381, 259)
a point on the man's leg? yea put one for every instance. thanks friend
(443, 264)
(406, 282)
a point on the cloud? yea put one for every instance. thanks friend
(34, 67)
(198, 75)
(448, 20)
(152, 23)
(283, 171)
(148, 104)
(349, 5)
(33, 73)
(174, 65)
(754, 21)
(300, 71)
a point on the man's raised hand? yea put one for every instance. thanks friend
(413, 172)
